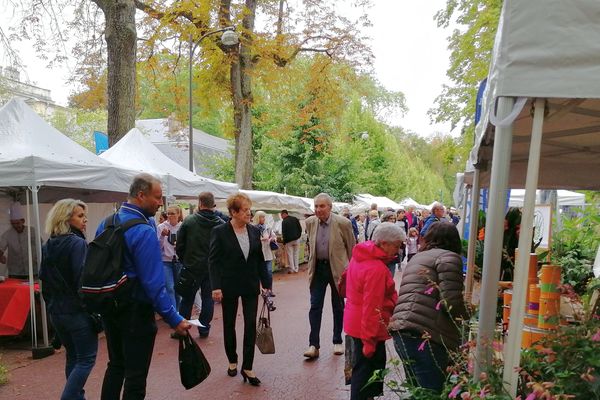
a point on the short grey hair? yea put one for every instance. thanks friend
(142, 183)
(437, 206)
(388, 232)
(324, 196)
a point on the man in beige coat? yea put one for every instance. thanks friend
(331, 241)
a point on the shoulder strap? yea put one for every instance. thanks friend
(132, 222)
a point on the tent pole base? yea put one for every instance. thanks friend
(41, 352)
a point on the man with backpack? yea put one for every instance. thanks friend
(130, 327)
(192, 249)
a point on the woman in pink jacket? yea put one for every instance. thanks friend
(371, 296)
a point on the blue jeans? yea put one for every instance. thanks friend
(269, 264)
(321, 279)
(208, 305)
(425, 368)
(172, 270)
(77, 334)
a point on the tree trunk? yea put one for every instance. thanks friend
(241, 91)
(121, 45)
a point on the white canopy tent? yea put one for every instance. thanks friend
(564, 197)
(36, 158)
(136, 152)
(272, 201)
(539, 128)
(364, 201)
(409, 202)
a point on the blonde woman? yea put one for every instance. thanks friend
(167, 237)
(63, 256)
(267, 236)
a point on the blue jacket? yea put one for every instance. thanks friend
(62, 261)
(430, 220)
(143, 262)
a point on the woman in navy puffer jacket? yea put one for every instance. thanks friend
(63, 256)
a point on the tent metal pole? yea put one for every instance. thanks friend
(494, 230)
(38, 245)
(512, 352)
(31, 282)
(463, 215)
(473, 224)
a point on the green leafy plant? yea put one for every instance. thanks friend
(574, 247)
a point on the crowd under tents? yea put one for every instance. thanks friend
(539, 129)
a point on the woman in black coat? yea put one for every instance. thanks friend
(237, 269)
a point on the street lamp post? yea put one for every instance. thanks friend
(229, 38)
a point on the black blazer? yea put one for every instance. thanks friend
(229, 270)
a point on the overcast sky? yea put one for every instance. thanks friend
(410, 51)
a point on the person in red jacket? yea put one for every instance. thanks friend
(370, 300)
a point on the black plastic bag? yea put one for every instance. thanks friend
(193, 366)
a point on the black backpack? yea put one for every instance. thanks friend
(103, 281)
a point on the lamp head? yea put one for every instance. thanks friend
(230, 38)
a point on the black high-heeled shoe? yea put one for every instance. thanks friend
(254, 381)
(232, 372)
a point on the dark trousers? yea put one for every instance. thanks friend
(208, 304)
(362, 370)
(229, 306)
(425, 368)
(321, 279)
(130, 333)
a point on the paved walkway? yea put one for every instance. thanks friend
(284, 375)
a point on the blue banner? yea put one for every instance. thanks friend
(101, 140)
(479, 100)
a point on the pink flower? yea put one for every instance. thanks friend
(531, 396)
(596, 337)
(422, 345)
(483, 393)
(438, 305)
(454, 392)
(429, 290)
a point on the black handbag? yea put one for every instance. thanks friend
(274, 246)
(193, 365)
(264, 332)
(187, 284)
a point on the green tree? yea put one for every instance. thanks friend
(471, 46)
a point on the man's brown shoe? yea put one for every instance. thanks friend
(312, 352)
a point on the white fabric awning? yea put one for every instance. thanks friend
(136, 152)
(547, 49)
(32, 152)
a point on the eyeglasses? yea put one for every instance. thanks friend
(171, 213)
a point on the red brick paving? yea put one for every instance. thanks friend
(284, 375)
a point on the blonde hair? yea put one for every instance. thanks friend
(413, 229)
(57, 221)
(374, 213)
(258, 215)
(234, 202)
(177, 210)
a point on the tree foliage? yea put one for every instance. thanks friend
(471, 48)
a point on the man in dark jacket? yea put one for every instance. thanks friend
(192, 245)
(291, 230)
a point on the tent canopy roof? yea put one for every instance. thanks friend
(136, 152)
(547, 49)
(32, 152)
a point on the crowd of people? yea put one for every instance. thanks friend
(228, 259)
